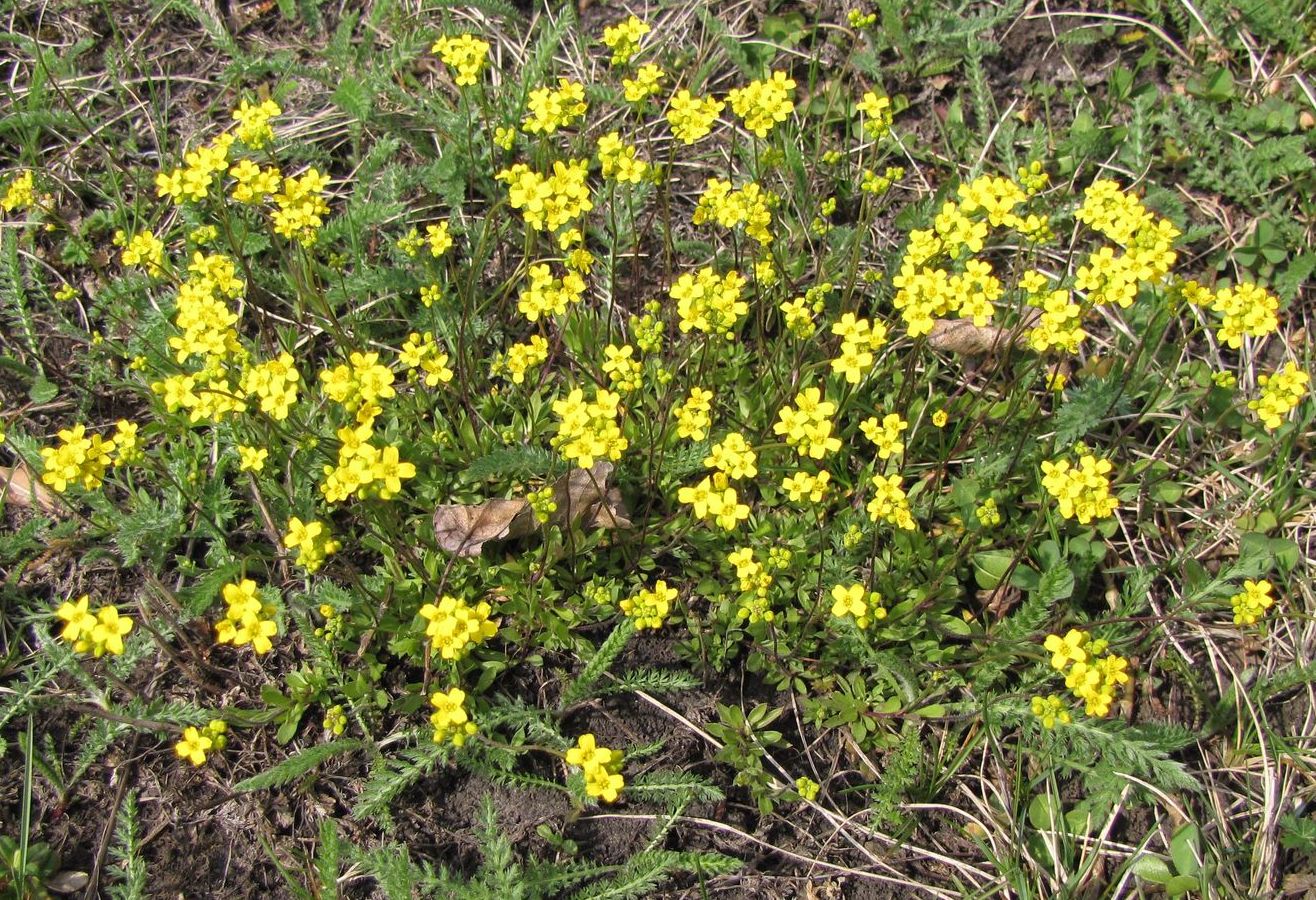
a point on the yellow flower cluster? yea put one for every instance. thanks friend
(1280, 393)
(547, 295)
(549, 109)
(622, 368)
(1059, 324)
(142, 249)
(995, 197)
(252, 184)
(987, 514)
(863, 605)
(859, 339)
(648, 81)
(1091, 677)
(99, 633)
(733, 456)
(20, 193)
(359, 383)
(715, 498)
(421, 352)
(804, 486)
(623, 39)
(1111, 277)
(877, 185)
(548, 202)
(709, 304)
(1083, 492)
(878, 115)
(275, 382)
(450, 719)
(312, 542)
(798, 315)
(885, 434)
(807, 426)
(690, 117)
(1051, 710)
(617, 160)
(750, 206)
(751, 574)
(253, 127)
(455, 629)
(193, 180)
(889, 503)
(762, 104)
(251, 459)
(248, 620)
(464, 54)
(1245, 310)
(196, 742)
(588, 430)
(694, 415)
(79, 458)
(602, 767)
(649, 607)
(437, 238)
(1251, 603)
(521, 358)
(301, 207)
(364, 469)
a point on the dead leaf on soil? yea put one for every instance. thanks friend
(18, 485)
(963, 337)
(582, 496)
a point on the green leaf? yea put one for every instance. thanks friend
(296, 766)
(352, 97)
(1152, 868)
(1181, 884)
(1185, 850)
(990, 567)
(43, 390)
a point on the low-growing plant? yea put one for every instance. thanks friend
(612, 376)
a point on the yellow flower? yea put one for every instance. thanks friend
(254, 123)
(78, 620)
(807, 426)
(690, 117)
(649, 608)
(1067, 649)
(549, 109)
(762, 104)
(877, 113)
(193, 746)
(1281, 392)
(734, 456)
(1251, 604)
(465, 54)
(602, 768)
(20, 193)
(450, 719)
(647, 82)
(624, 39)
(454, 628)
(1051, 710)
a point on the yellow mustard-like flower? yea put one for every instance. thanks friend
(649, 607)
(78, 458)
(708, 303)
(889, 503)
(1082, 493)
(548, 202)
(521, 358)
(885, 434)
(455, 628)
(253, 120)
(312, 542)
(734, 456)
(1281, 392)
(765, 103)
(602, 768)
(464, 54)
(648, 81)
(878, 115)
(450, 719)
(853, 600)
(588, 430)
(617, 160)
(248, 619)
(1251, 603)
(1051, 711)
(694, 415)
(807, 425)
(549, 109)
(623, 39)
(690, 117)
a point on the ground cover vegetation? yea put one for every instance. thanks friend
(770, 450)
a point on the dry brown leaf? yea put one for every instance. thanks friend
(18, 485)
(963, 337)
(583, 496)
(463, 530)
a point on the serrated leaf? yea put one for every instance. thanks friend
(296, 766)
